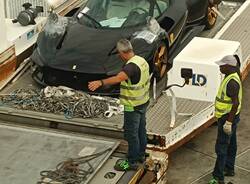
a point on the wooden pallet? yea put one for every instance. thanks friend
(7, 63)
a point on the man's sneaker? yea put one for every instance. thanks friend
(124, 165)
(229, 172)
(215, 181)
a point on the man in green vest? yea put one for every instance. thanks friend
(134, 82)
(227, 111)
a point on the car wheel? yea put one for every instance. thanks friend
(211, 16)
(38, 76)
(160, 61)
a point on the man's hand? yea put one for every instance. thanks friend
(94, 85)
(121, 76)
(227, 128)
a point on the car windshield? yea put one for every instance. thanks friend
(115, 13)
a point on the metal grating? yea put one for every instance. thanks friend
(158, 117)
(26, 152)
(239, 30)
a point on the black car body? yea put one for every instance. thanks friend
(72, 51)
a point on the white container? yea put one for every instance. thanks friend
(200, 55)
(24, 37)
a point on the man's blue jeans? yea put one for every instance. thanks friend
(225, 148)
(135, 132)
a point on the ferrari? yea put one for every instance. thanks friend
(81, 47)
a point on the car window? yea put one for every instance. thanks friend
(161, 6)
(115, 13)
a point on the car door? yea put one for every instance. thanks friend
(172, 17)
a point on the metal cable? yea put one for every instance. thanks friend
(71, 171)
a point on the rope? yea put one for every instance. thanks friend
(71, 171)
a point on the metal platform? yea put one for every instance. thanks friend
(54, 147)
(238, 29)
(158, 115)
(26, 152)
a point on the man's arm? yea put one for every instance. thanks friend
(121, 76)
(233, 111)
(233, 91)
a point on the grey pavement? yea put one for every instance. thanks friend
(193, 163)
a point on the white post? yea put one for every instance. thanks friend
(4, 44)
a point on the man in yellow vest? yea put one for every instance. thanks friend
(134, 82)
(227, 111)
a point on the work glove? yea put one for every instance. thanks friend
(227, 128)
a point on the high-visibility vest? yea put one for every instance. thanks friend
(132, 95)
(223, 103)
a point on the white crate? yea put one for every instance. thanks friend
(23, 37)
(200, 55)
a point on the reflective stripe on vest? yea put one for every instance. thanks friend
(136, 94)
(223, 103)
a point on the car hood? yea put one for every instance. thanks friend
(85, 50)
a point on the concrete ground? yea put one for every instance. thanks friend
(194, 162)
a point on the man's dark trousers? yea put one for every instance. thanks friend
(135, 132)
(225, 148)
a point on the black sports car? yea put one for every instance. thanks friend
(72, 51)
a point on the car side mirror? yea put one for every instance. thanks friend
(186, 73)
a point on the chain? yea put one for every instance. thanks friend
(77, 104)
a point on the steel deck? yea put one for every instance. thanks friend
(158, 116)
(27, 152)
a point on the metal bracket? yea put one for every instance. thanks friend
(173, 109)
(113, 110)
